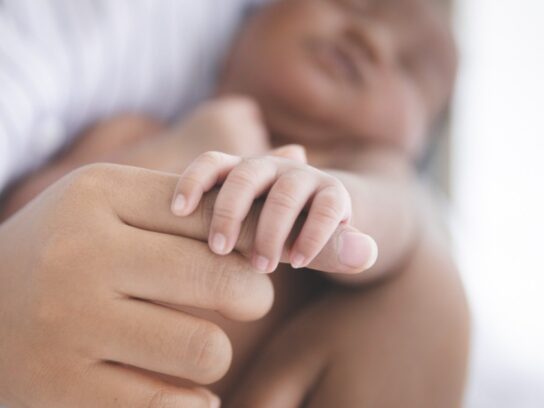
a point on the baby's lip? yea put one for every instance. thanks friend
(339, 59)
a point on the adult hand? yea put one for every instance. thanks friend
(230, 124)
(103, 142)
(86, 269)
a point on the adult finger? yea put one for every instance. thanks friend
(113, 385)
(141, 198)
(291, 152)
(161, 269)
(162, 340)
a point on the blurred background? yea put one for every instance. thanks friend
(497, 141)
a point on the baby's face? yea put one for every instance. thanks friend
(356, 71)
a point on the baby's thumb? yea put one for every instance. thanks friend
(348, 251)
(291, 152)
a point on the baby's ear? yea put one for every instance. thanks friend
(293, 152)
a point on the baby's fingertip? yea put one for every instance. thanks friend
(298, 261)
(179, 205)
(357, 251)
(219, 244)
(263, 265)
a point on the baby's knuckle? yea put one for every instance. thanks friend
(226, 214)
(283, 199)
(328, 209)
(242, 177)
(310, 242)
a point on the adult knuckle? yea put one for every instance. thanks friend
(230, 285)
(243, 294)
(209, 351)
(53, 252)
(48, 314)
(259, 301)
(86, 184)
(163, 398)
(92, 174)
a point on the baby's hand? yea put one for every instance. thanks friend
(290, 187)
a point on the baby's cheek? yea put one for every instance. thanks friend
(412, 139)
(404, 120)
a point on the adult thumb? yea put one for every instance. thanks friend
(293, 152)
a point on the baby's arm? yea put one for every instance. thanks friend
(391, 205)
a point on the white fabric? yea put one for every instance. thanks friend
(66, 63)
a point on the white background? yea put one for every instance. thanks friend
(498, 140)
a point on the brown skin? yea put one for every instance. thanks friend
(358, 83)
(336, 72)
(403, 343)
(102, 142)
(333, 102)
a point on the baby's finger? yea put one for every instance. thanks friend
(251, 178)
(283, 205)
(202, 174)
(331, 206)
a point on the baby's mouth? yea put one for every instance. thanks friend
(338, 60)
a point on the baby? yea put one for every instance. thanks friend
(359, 84)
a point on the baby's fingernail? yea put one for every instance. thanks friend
(261, 263)
(219, 244)
(178, 205)
(298, 261)
(356, 250)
